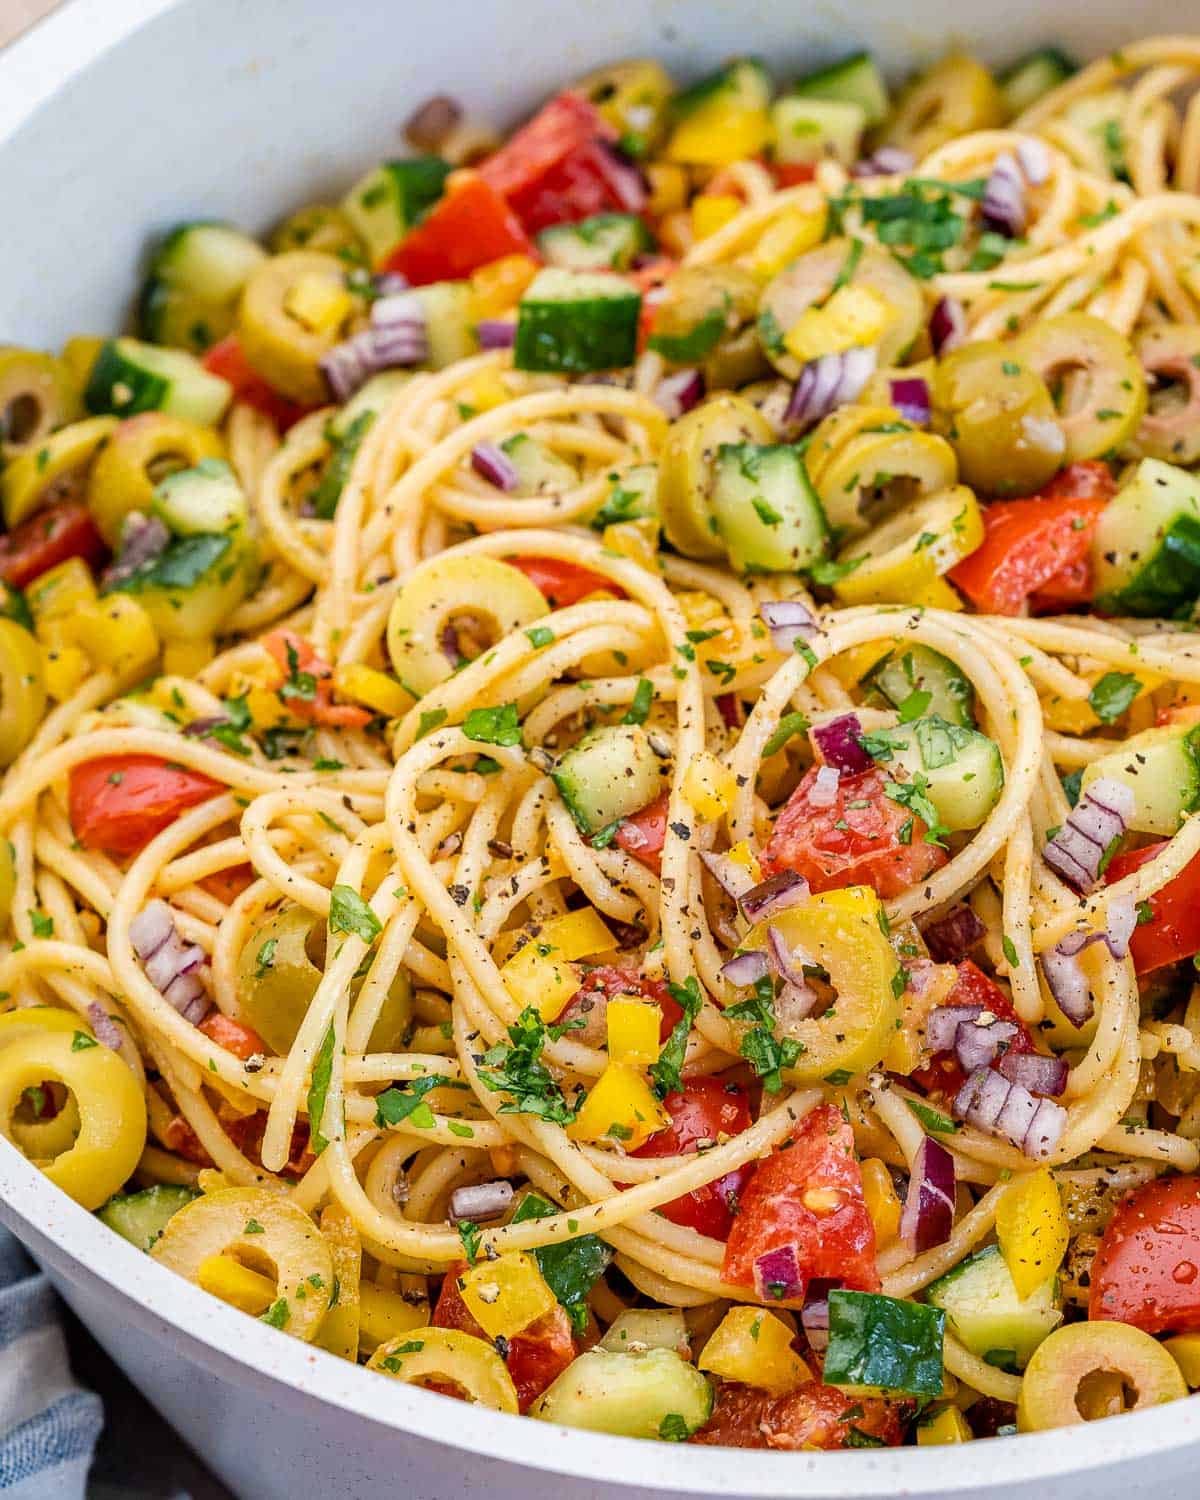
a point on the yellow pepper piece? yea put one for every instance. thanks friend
(500, 285)
(579, 934)
(374, 688)
(712, 211)
(719, 134)
(633, 1032)
(22, 689)
(854, 317)
(636, 540)
(236, 1284)
(786, 238)
(541, 973)
(742, 854)
(699, 609)
(1184, 1349)
(883, 1204)
(668, 188)
(754, 1347)
(8, 883)
(318, 302)
(187, 658)
(64, 671)
(60, 590)
(448, 1356)
(1076, 715)
(1031, 1225)
(709, 786)
(340, 1330)
(385, 1316)
(507, 1294)
(119, 634)
(621, 1107)
(486, 391)
(948, 1426)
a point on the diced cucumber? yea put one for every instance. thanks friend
(1146, 546)
(648, 1328)
(766, 510)
(1161, 767)
(539, 471)
(632, 496)
(743, 82)
(984, 1312)
(960, 770)
(808, 131)
(610, 774)
(919, 670)
(604, 242)
(129, 376)
(374, 397)
(1026, 81)
(854, 80)
(385, 204)
(878, 1345)
(207, 498)
(575, 321)
(650, 1395)
(196, 275)
(449, 308)
(141, 1217)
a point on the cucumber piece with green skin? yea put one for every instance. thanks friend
(1029, 79)
(189, 299)
(744, 81)
(854, 80)
(385, 204)
(208, 498)
(376, 396)
(766, 510)
(1146, 545)
(449, 308)
(325, 497)
(984, 1311)
(609, 775)
(632, 496)
(1161, 767)
(879, 1345)
(645, 1395)
(603, 242)
(141, 1217)
(129, 376)
(539, 471)
(960, 770)
(573, 322)
(917, 669)
(808, 131)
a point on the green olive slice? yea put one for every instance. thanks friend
(1170, 429)
(317, 226)
(286, 352)
(1096, 376)
(953, 98)
(1065, 1364)
(1000, 418)
(37, 395)
(141, 452)
(55, 470)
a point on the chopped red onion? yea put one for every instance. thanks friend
(745, 969)
(910, 397)
(491, 462)
(942, 1023)
(624, 177)
(888, 161)
(389, 283)
(814, 1315)
(143, 538)
(1068, 984)
(174, 968)
(1004, 207)
(1033, 157)
(977, 1044)
(991, 1102)
(789, 621)
(481, 1201)
(105, 1028)
(775, 894)
(1045, 1130)
(732, 876)
(496, 333)
(824, 790)
(777, 1275)
(1036, 1072)
(429, 124)
(679, 392)
(947, 325)
(349, 365)
(1122, 920)
(840, 744)
(151, 928)
(826, 383)
(928, 1215)
(1096, 822)
(788, 963)
(953, 935)
(399, 332)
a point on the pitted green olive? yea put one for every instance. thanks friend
(954, 97)
(1170, 356)
(37, 395)
(999, 417)
(1095, 377)
(317, 226)
(633, 97)
(294, 308)
(142, 451)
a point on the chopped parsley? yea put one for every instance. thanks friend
(516, 1068)
(348, 912)
(666, 1072)
(1113, 694)
(494, 726)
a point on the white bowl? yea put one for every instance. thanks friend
(118, 117)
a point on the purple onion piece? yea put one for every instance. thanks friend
(840, 744)
(824, 790)
(977, 1045)
(151, 928)
(105, 1028)
(777, 1275)
(1033, 157)
(790, 621)
(951, 938)
(814, 1316)
(143, 538)
(788, 963)
(745, 969)
(1122, 921)
(496, 333)
(491, 462)
(992, 1103)
(775, 894)
(389, 283)
(198, 728)
(928, 1215)
(430, 123)
(1098, 819)
(910, 397)
(888, 161)
(1068, 984)
(1036, 1072)
(826, 383)
(349, 365)
(480, 1201)
(678, 393)
(947, 325)
(942, 1023)
(733, 877)
(1004, 207)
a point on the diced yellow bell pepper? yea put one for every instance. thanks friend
(633, 1032)
(719, 134)
(853, 318)
(485, 391)
(850, 667)
(668, 188)
(785, 238)
(1076, 715)
(709, 786)
(1032, 1228)
(187, 658)
(319, 302)
(60, 590)
(64, 670)
(712, 211)
(541, 973)
(79, 355)
(500, 285)
(384, 1315)
(209, 1180)
(699, 609)
(376, 689)
(741, 854)
(948, 1426)
(636, 540)
(1184, 1349)
(754, 1347)
(579, 934)
(119, 634)
(883, 1204)
(621, 1107)
(236, 1284)
(507, 1294)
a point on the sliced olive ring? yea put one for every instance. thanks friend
(55, 470)
(142, 451)
(901, 561)
(879, 471)
(37, 395)
(686, 469)
(285, 351)
(955, 97)
(1099, 379)
(1170, 429)
(633, 97)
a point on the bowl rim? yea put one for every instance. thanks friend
(33, 69)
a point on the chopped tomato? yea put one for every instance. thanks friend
(808, 1195)
(1173, 931)
(651, 279)
(859, 839)
(307, 689)
(811, 1416)
(470, 227)
(1092, 480)
(644, 833)
(227, 885)
(119, 802)
(243, 1041)
(945, 1075)
(51, 536)
(1027, 544)
(534, 1357)
(564, 583)
(708, 1110)
(1073, 584)
(792, 174)
(1147, 1270)
(246, 1133)
(228, 360)
(561, 167)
